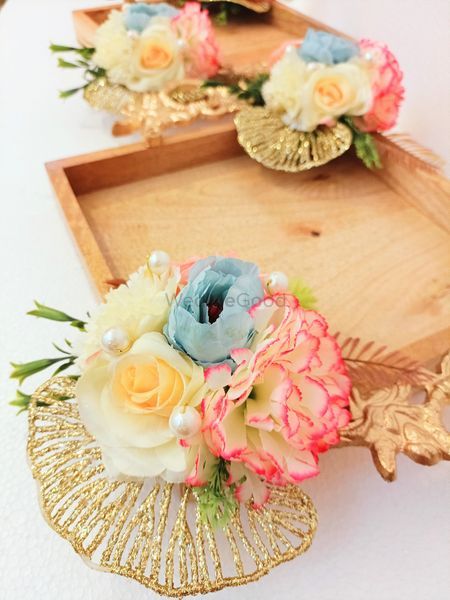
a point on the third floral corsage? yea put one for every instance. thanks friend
(205, 393)
(322, 95)
(148, 64)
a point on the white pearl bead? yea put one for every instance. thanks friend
(290, 49)
(115, 340)
(131, 33)
(158, 261)
(277, 282)
(368, 56)
(181, 44)
(185, 421)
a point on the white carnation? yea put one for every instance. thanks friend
(139, 306)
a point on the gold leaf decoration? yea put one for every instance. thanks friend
(388, 423)
(266, 139)
(373, 367)
(147, 531)
(152, 112)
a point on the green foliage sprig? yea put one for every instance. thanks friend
(65, 360)
(303, 293)
(249, 89)
(220, 12)
(364, 143)
(216, 500)
(81, 59)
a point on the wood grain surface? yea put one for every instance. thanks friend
(247, 39)
(377, 260)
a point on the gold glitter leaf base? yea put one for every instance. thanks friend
(151, 532)
(265, 138)
(179, 103)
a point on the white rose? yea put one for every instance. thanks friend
(139, 306)
(144, 62)
(126, 404)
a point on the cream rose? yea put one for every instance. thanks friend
(308, 96)
(126, 404)
(144, 62)
(330, 92)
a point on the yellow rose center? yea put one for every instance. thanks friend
(332, 93)
(154, 56)
(152, 386)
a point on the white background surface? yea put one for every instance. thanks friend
(375, 540)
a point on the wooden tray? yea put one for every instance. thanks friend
(246, 40)
(374, 246)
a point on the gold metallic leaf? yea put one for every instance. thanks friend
(147, 531)
(151, 112)
(269, 141)
(388, 423)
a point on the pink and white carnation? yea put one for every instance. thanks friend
(193, 26)
(285, 401)
(387, 88)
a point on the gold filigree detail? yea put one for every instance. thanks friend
(147, 531)
(152, 112)
(265, 138)
(388, 423)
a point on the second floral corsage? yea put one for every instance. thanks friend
(205, 392)
(322, 95)
(147, 66)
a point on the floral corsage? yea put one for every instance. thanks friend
(206, 392)
(322, 94)
(147, 67)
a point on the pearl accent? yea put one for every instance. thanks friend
(131, 33)
(290, 49)
(181, 44)
(185, 421)
(368, 56)
(277, 282)
(158, 261)
(313, 66)
(115, 340)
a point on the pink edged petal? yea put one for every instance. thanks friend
(301, 465)
(315, 397)
(202, 465)
(241, 355)
(218, 376)
(234, 434)
(300, 357)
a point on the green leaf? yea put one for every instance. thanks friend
(21, 401)
(365, 146)
(68, 93)
(46, 312)
(303, 293)
(59, 48)
(216, 500)
(22, 371)
(221, 18)
(64, 64)
(245, 88)
(63, 366)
